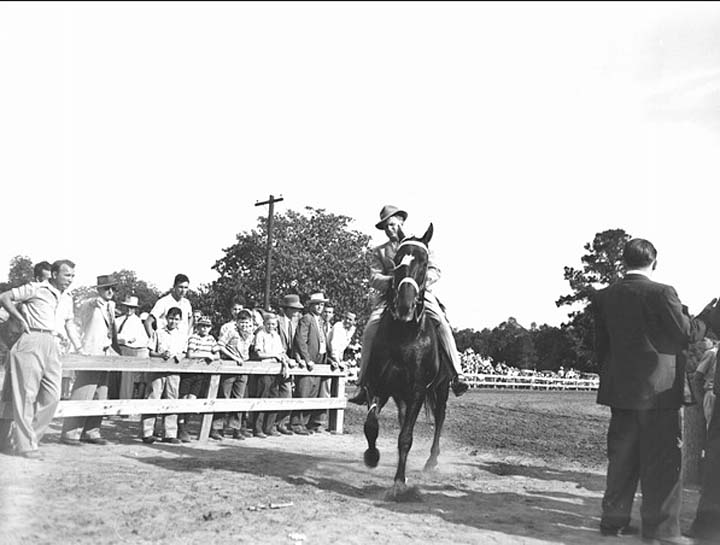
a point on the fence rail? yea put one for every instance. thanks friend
(205, 406)
(531, 382)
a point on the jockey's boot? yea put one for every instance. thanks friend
(360, 397)
(459, 385)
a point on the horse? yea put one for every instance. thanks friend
(405, 362)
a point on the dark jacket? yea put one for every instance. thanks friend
(308, 338)
(641, 334)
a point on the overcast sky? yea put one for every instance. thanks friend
(140, 135)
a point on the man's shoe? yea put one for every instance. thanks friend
(237, 434)
(149, 440)
(284, 431)
(71, 442)
(184, 437)
(214, 434)
(459, 385)
(617, 532)
(259, 435)
(273, 433)
(299, 430)
(246, 433)
(31, 455)
(171, 440)
(94, 440)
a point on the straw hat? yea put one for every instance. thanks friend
(318, 297)
(131, 301)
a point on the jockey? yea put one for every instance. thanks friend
(381, 276)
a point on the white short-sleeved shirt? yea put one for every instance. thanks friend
(159, 311)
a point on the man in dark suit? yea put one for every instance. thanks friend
(311, 348)
(641, 332)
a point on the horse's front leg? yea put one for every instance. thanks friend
(372, 429)
(399, 490)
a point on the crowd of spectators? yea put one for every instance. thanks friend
(39, 322)
(476, 364)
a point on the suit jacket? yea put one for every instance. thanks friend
(287, 340)
(641, 334)
(308, 338)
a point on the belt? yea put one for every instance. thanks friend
(38, 330)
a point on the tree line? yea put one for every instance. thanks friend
(315, 250)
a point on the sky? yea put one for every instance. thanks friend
(141, 135)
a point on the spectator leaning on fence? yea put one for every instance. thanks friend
(201, 346)
(170, 344)
(175, 299)
(132, 340)
(33, 365)
(311, 349)
(227, 327)
(97, 316)
(290, 309)
(268, 347)
(339, 339)
(235, 346)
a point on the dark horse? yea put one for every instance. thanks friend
(405, 361)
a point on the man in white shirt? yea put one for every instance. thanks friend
(132, 340)
(340, 336)
(98, 327)
(176, 298)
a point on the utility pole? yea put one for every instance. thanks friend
(268, 271)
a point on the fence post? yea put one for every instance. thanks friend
(207, 419)
(336, 417)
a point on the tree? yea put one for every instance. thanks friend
(21, 271)
(602, 265)
(554, 348)
(512, 344)
(479, 341)
(314, 251)
(128, 284)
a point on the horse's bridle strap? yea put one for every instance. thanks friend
(411, 281)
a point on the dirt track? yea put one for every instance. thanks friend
(485, 490)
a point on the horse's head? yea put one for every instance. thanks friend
(411, 263)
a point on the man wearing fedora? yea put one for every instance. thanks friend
(290, 309)
(381, 276)
(132, 340)
(311, 348)
(97, 316)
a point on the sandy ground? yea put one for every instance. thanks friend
(318, 486)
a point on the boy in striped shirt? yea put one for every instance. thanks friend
(201, 346)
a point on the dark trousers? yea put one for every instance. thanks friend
(707, 519)
(305, 387)
(644, 446)
(282, 389)
(231, 387)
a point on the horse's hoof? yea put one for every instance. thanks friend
(402, 493)
(372, 457)
(430, 466)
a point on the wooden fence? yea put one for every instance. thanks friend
(205, 406)
(531, 382)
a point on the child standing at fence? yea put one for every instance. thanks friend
(268, 347)
(168, 343)
(201, 347)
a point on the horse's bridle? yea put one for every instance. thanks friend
(419, 291)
